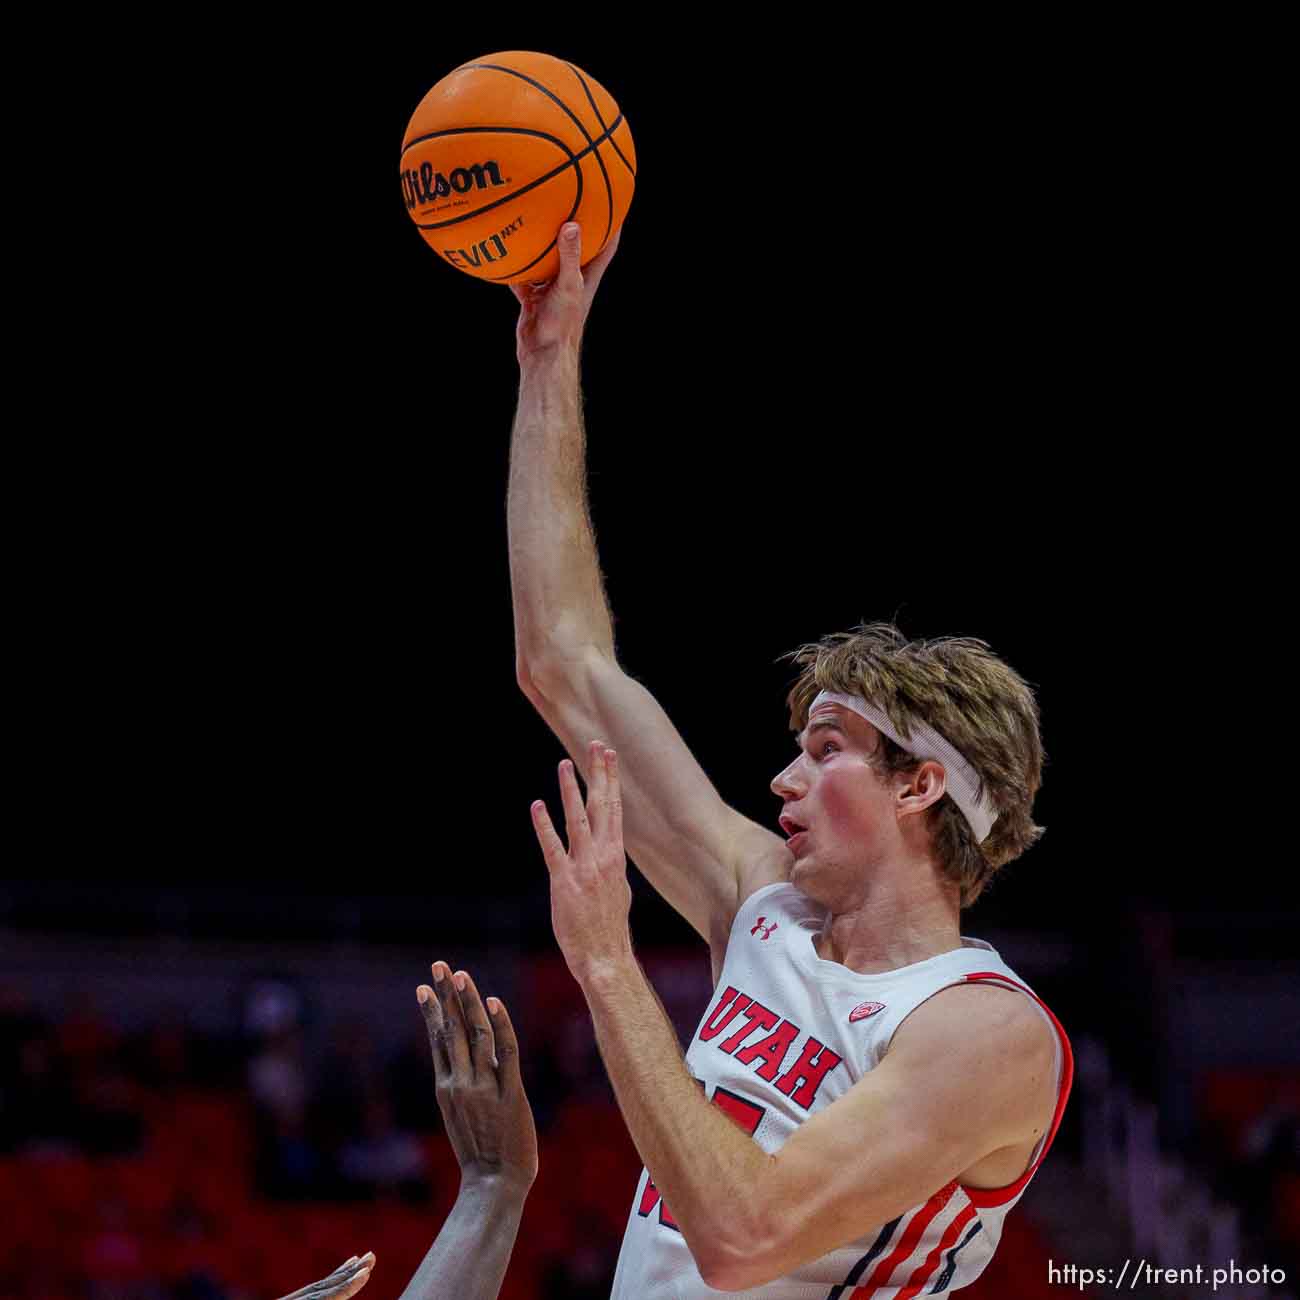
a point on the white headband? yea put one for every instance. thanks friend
(962, 781)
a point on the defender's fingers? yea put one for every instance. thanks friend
(576, 824)
(351, 1287)
(481, 1043)
(346, 1280)
(346, 1274)
(548, 837)
(507, 1045)
(454, 1017)
(436, 1028)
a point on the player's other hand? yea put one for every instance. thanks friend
(480, 1090)
(553, 314)
(590, 896)
(345, 1281)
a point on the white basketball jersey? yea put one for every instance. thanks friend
(786, 1034)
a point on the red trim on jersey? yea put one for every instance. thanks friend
(923, 1271)
(986, 1197)
(906, 1243)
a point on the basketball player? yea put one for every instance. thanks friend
(868, 1092)
(490, 1126)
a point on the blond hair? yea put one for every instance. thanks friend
(979, 704)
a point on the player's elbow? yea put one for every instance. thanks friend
(738, 1261)
(725, 1270)
(527, 680)
(544, 679)
(724, 1273)
(561, 673)
(759, 1240)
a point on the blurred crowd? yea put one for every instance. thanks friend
(165, 1163)
(1252, 1151)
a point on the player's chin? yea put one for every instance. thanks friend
(807, 862)
(805, 877)
(802, 866)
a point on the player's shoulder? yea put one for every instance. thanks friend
(978, 1018)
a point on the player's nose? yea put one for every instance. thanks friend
(786, 785)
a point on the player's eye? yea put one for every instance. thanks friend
(826, 748)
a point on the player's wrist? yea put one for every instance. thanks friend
(600, 976)
(495, 1189)
(555, 360)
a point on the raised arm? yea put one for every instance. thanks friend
(490, 1126)
(700, 854)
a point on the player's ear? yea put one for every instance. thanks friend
(920, 788)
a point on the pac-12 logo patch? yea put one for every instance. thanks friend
(865, 1009)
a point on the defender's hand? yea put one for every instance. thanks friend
(553, 313)
(345, 1281)
(480, 1090)
(590, 896)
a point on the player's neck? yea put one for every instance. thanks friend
(901, 921)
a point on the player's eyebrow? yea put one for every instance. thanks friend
(831, 723)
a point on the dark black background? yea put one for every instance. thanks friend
(887, 337)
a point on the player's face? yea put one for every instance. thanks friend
(838, 813)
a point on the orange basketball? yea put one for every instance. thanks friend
(506, 149)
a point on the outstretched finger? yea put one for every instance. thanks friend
(345, 1281)
(596, 787)
(507, 1048)
(481, 1053)
(454, 1019)
(613, 798)
(548, 837)
(351, 1281)
(436, 1027)
(350, 1289)
(576, 824)
(350, 1286)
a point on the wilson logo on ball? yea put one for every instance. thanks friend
(505, 149)
(426, 185)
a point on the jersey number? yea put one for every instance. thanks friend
(745, 1114)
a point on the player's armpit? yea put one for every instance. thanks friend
(693, 847)
(966, 1075)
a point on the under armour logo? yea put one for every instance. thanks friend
(766, 929)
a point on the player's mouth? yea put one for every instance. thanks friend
(796, 833)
